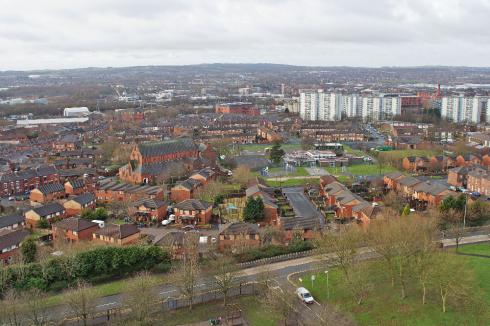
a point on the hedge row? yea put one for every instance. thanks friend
(273, 251)
(94, 265)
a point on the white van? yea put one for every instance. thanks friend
(100, 223)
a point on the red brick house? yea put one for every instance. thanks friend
(12, 222)
(148, 209)
(47, 192)
(23, 181)
(122, 234)
(458, 177)
(239, 236)
(270, 207)
(10, 242)
(237, 108)
(77, 187)
(49, 212)
(479, 181)
(74, 229)
(390, 180)
(185, 189)
(193, 211)
(77, 204)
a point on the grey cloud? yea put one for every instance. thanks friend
(350, 32)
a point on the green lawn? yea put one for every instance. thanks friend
(253, 310)
(292, 182)
(356, 152)
(384, 306)
(262, 147)
(370, 169)
(362, 169)
(103, 290)
(400, 154)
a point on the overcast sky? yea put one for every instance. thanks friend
(79, 33)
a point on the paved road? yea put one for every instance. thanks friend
(301, 205)
(280, 272)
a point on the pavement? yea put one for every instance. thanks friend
(301, 205)
(281, 273)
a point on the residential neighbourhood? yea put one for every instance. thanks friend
(170, 193)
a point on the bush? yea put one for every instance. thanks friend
(100, 264)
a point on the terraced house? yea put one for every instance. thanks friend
(148, 161)
(23, 181)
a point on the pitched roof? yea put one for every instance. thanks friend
(305, 223)
(118, 231)
(190, 183)
(393, 175)
(75, 224)
(77, 184)
(48, 209)
(166, 147)
(11, 238)
(51, 188)
(9, 220)
(149, 203)
(240, 228)
(193, 205)
(85, 198)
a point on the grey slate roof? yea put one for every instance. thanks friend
(51, 188)
(118, 231)
(9, 220)
(48, 209)
(192, 205)
(11, 238)
(166, 147)
(85, 198)
(240, 228)
(149, 203)
(75, 224)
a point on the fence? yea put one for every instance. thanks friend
(276, 259)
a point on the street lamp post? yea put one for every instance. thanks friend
(328, 289)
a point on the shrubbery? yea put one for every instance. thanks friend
(91, 266)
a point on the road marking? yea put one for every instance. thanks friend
(165, 292)
(108, 304)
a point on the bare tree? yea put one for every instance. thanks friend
(81, 301)
(383, 241)
(210, 191)
(226, 273)
(242, 175)
(139, 296)
(451, 278)
(35, 307)
(11, 310)
(344, 245)
(188, 272)
(281, 303)
(358, 283)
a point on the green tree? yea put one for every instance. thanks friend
(101, 214)
(254, 210)
(277, 153)
(29, 250)
(406, 210)
(43, 223)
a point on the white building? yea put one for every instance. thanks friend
(463, 109)
(380, 107)
(317, 105)
(351, 105)
(308, 105)
(76, 112)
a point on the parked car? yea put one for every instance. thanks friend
(305, 295)
(189, 228)
(166, 222)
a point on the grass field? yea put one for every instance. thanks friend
(362, 169)
(262, 147)
(350, 150)
(103, 290)
(292, 182)
(253, 311)
(400, 154)
(384, 306)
